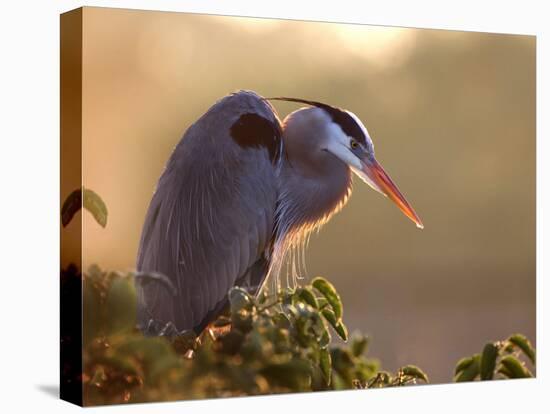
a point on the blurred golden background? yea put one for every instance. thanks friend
(452, 116)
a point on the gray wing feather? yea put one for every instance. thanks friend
(211, 217)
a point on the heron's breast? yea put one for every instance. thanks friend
(309, 202)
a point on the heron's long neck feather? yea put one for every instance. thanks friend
(304, 204)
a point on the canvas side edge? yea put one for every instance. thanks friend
(71, 180)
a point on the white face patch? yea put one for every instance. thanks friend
(370, 145)
(338, 143)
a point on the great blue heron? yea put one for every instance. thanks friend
(239, 191)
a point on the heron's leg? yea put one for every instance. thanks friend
(215, 330)
(152, 328)
(169, 330)
(185, 342)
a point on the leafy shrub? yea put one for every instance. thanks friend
(501, 359)
(268, 344)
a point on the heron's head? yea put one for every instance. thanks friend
(341, 134)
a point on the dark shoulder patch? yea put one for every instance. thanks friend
(253, 130)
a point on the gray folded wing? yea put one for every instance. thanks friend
(210, 222)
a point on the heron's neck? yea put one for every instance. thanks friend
(309, 197)
(310, 192)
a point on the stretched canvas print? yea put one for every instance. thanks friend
(257, 206)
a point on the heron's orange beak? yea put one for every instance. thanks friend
(381, 182)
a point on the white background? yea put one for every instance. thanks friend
(29, 206)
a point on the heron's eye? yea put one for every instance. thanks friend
(354, 144)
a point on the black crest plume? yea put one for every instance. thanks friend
(338, 116)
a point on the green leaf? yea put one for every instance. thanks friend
(463, 363)
(508, 348)
(382, 378)
(329, 292)
(326, 364)
(307, 296)
(121, 305)
(239, 299)
(342, 331)
(514, 367)
(336, 324)
(291, 311)
(359, 344)
(524, 344)
(504, 371)
(319, 329)
(488, 361)
(330, 316)
(91, 202)
(242, 320)
(470, 372)
(72, 204)
(324, 340)
(415, 372)
(95, 205)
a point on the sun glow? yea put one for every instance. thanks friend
(381, 46)
(254, 25)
